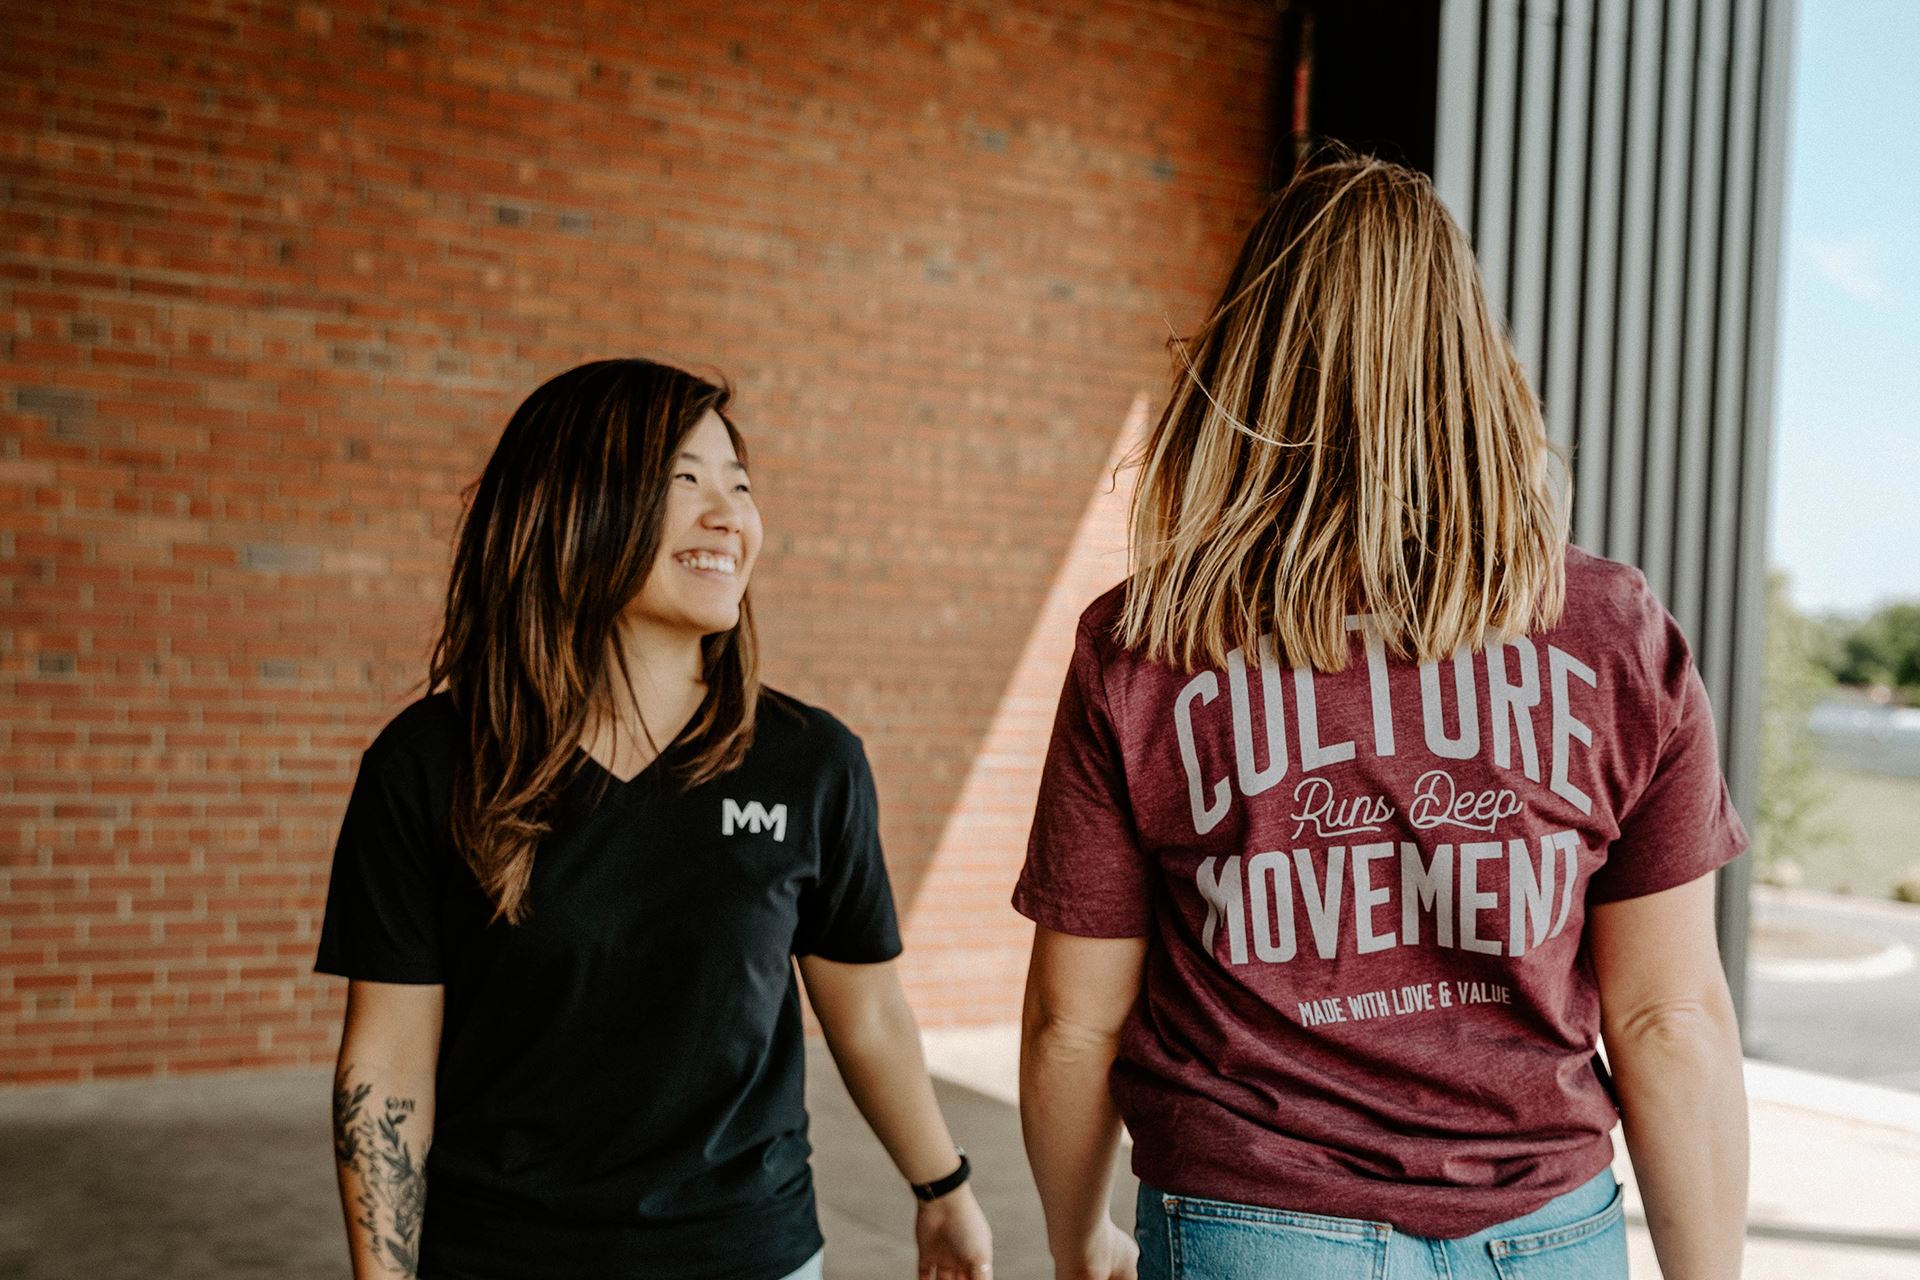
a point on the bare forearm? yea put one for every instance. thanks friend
(1071, 1128)
(382, 1126)
(1684, 1104)
(885, 1072)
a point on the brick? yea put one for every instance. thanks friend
(238, 440)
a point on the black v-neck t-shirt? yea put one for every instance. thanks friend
(620, 1084)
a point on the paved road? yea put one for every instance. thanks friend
(1827, 992)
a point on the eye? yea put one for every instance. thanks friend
(686, 475)
(743, 487)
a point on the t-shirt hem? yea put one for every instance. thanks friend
(854, 955)
(1054, 915)
(1671, 875)
(1456, 1212)
(364, 973)
(482, 1246)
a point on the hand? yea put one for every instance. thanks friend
(955, 1242)
(1110, 1255)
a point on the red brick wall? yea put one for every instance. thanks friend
(273, 276)
(967, 948)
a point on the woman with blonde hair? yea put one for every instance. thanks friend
(1371, 808)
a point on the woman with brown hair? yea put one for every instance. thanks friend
(1372, 806)
(573, 880)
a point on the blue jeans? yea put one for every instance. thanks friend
(810, 1269)
(1581, 1235)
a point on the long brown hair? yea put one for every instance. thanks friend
(1350, 428)
(559, 535)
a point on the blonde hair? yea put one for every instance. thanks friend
(1349, 430)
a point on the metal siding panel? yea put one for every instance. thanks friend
(1693, 490)
(1730, 392)
(1493, 200)
(1763, 318)
(1532, 184)
(1457, 115)
(1667, 333)
(1644, 296)
(1561, 387)
(1606, 135)
(1638, 189)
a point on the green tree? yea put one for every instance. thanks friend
(1791, 823)
(1883, 648)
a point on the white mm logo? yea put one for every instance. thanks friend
(755, 817)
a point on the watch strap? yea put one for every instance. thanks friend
(926, 1191)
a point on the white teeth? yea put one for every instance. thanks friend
(710, 561)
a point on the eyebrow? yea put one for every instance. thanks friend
(694, 457)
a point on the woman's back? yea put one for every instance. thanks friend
(1349, 933)
(1364, 892)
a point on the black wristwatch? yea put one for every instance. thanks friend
(934, 1190)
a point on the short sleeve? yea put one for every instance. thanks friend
(1085, 873)
(382, 918)
(847, 914)
(1682, 825)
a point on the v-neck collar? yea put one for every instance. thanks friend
(629, 784)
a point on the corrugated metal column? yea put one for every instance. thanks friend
(1761, 325)
(1619, 164)
(1600, 242)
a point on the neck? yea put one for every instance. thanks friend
(666, 672)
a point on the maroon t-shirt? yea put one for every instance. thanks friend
(1364, 895)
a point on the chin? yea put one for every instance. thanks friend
(715, 623)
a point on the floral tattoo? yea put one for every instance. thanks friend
(390, 1187)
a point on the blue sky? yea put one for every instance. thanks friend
(1846, 488)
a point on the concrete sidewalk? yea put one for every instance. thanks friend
(230, 1178)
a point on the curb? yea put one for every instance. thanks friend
(1831, 1096)
(1889, 962)
(1844, 904)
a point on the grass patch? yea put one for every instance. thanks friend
(1873, 825)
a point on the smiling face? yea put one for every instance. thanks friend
(709, 538)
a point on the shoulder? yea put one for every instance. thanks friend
(1611, 601)
(1595, 582)
(1099, 618)
(1095, 635)
(1616, 622)
(427, 731)
(786, 724)
(810, 750)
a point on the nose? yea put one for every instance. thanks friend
(721, 511)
